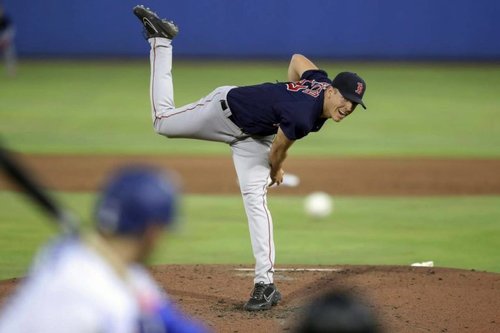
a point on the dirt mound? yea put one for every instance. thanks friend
(406, 299)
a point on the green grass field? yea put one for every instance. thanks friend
(414, 110)
(461, 232)
(101, 107)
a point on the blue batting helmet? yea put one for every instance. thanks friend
(135, 198)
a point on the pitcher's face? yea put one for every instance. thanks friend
(335, 106)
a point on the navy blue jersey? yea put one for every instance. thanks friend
(295, 107)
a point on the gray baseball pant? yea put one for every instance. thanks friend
(205, 119)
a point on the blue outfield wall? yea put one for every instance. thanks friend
(359, 29)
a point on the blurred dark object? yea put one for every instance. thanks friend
(7, 47)
(338, 311)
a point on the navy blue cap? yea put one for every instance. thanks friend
(351, 86)
(133, 199)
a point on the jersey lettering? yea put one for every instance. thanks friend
(312, 88)
(296, 86)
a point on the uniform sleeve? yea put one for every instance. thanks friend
(292, 131)
(160, 310)
(317, 75)
(293, 121)
(176, 322)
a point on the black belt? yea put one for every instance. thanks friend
(223, 105)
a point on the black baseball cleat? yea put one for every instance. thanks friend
(263, 297)
(153, 25)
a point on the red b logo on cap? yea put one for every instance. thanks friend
(359, 89)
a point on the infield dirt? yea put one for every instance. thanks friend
(340, 176)
(406, 299)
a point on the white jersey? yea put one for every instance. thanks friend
(73, 289)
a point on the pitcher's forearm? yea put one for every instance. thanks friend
(298, 65)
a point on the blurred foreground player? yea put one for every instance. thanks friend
(7, 48)
(97, 282)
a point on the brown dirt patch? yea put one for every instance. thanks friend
(339, 176)
(406, 299)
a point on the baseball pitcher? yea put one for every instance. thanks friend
(258, 122)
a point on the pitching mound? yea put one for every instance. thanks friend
(406, 299)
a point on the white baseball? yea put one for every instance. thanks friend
(318, 205)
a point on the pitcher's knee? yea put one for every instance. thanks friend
(159, 128)
(163, 129)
